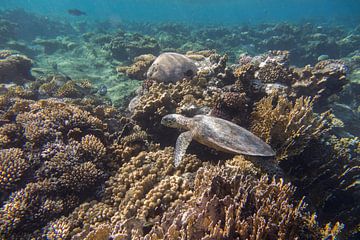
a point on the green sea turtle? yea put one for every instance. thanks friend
(216, 133)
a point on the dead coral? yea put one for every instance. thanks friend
(287, 127)
(12, 167)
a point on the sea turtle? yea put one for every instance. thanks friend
(170, 67)
(216, 133)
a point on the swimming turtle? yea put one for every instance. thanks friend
(216, 133)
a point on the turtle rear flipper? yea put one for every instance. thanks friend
(182, 144)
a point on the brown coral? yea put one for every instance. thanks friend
(163, 99)
(12, 167)
(273, 72)
(93, 146)
(228, 205)
(139, 67)
(14, 68)
(287, 127)
(51, 118)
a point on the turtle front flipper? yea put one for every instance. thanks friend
(182, 144)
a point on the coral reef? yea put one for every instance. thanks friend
(170, 67)
(139, 67)
(6, 31)
(14, 68)
(126, 46)
(74, 165)
(227, 204)
(286, 126)
(13, 166)
(51, 46)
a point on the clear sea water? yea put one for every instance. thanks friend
(200, 11)
(91, 51)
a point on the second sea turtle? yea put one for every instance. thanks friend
(216, 133)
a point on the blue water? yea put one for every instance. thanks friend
(199, 11)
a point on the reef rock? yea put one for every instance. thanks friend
(14, 67)
(171, 67)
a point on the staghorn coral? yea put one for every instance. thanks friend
(15, 68)
(13, 165)
(287, 127)
(229, 205)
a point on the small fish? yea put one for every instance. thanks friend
(102, 90)
(76, 12)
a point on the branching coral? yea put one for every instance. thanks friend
(327, 172)
(326, 78)
(12, 167)
(287, 127)
(139, 67)
(229, 205)
(48, 119)
(163, 99)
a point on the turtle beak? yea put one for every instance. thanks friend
(168, 121)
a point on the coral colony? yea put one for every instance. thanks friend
(82, 158)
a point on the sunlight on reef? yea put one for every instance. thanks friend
(84, 154)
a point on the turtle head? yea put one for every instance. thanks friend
(174, 121)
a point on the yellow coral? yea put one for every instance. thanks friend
(12, 167)
(287, 127)
(93, 146)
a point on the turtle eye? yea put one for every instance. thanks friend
(189, 73)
